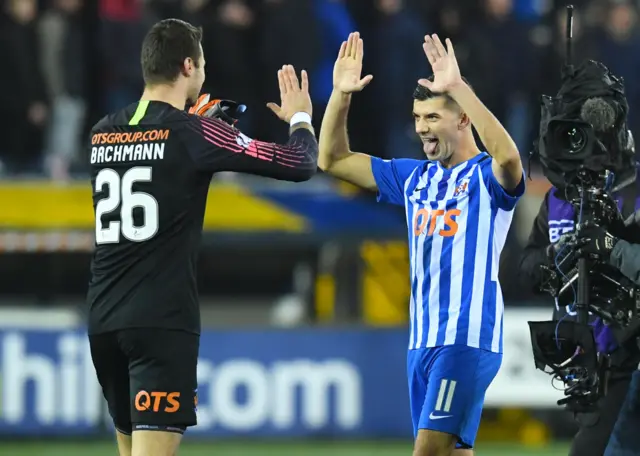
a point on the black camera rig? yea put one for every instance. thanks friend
(567, 349)
(584, 145)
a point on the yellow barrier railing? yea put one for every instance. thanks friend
(385, 283)
(43, 206)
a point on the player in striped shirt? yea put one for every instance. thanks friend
(459, 204)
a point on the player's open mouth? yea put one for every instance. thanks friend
(429, 144)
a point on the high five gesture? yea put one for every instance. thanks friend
(506, 163)
(443, 63)
(348, 66)
(335, 156)
(294, 94)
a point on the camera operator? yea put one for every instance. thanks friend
(596, 241)
(552, 229)
(587, 153)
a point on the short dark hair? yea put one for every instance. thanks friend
(421, 93)
(165, 47)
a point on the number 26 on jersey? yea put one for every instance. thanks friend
(123, 198)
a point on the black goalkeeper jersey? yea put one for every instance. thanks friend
(151, 166)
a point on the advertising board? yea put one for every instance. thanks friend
(257, 383)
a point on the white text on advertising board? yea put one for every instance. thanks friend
(61, 391)
(324, 392)
(58, 387)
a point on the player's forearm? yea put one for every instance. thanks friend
(493, 135)
(228, 149)
(334, 141)
(298, 159)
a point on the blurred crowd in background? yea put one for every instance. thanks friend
(66, 63)
(273, 254)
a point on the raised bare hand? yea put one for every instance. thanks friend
(443, 63)
(348, 66)
(294, 94)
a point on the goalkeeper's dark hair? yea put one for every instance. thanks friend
(421, 93)
(164, 49)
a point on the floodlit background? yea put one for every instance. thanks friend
(304, 287)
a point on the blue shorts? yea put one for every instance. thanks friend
(447, 387)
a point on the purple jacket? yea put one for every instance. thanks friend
(561, 216)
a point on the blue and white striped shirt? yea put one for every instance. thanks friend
(458, 220)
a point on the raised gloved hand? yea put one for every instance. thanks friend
(595, 240)
(226, 110)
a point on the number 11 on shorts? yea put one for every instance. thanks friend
(445, 396)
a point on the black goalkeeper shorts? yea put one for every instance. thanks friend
(148, 377)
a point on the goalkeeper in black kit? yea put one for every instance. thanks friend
(151, 167)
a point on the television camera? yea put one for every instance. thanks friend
(586, 152)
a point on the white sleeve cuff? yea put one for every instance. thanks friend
(300, 117)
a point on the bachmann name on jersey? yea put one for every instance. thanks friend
(151, 167)
(128, 146)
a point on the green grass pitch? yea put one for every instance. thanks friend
(105, 448)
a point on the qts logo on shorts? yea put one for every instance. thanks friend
(425, 221)
(157, 401)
